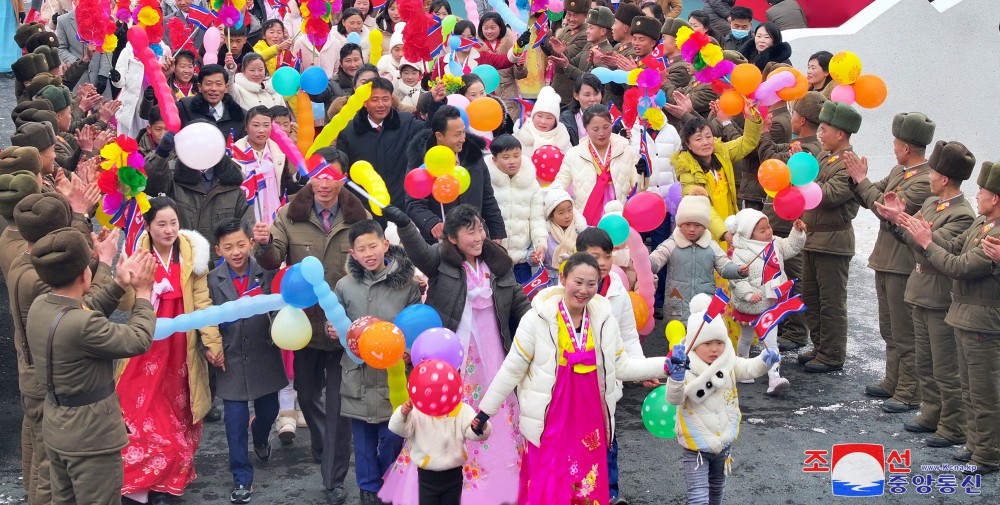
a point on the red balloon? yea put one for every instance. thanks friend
(356, 329)
(789, 203)
(419, 183)
(645, 211)
(547, 160)
(435, 387)
(276, 282)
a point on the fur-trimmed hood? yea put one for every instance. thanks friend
(301, 207)
(780, 52)
(399, 271)
(472, 150)
(495, 256)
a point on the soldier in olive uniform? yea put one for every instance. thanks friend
(803, 123)
(912, 133)
(575, 40)
(74, 346)
(599, 22)
(18, 178)
(677, 70)
(975, 316)
(928, 292)
(621, 32)
(830, 243)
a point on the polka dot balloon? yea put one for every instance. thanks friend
(547, 160)
(658, 415)
(435, 387)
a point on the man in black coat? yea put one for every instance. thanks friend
(448, 129)
(213, 104)
(379, 135)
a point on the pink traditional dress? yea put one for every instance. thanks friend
(268, 199)
(156, 402)
(571, 464)
(493, 466)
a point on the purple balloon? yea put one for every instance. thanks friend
(438, 343)
(674, 195)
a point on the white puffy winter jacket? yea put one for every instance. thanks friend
(532, 363)
(522, 206)
(744, 252)
(578, 174)
(660, 150)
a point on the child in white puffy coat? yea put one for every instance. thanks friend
(702, 383)
(661, 149)
(753, 294)
(544, 127)
(563, 223)
(521, 204)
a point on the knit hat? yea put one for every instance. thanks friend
(39, 214)
(952, 160)
(840, 115)
(547, 101)
(13, 188)
(554, 195)
(602, 17)
(627, 12)
(578, 6)
(671, 25)
(694, 209)
(993, 181)
(24, 68)
(743, 223)
(15, 159)
(41, 80)
(397, 36)
(810, 105)
(41, 39)
(716, 330)
(41, 136)
(25, 31)
(913, 128)
(38, 103)
(735, 57)
(61, 256)
(51, 56)
(403, 62)
(645, 25)
(60, 96)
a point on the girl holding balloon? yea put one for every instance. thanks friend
(565, 363)
(464, 57)
(472, 287)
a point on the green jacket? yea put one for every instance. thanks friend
(927, 287)
(563, 82)
(829, 228)
(768, 149)
(914, 188)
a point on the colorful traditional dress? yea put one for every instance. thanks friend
(156, 402)
(570, 465)
(493, 466)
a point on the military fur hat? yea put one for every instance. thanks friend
(671, 25)
(952, 160)
(38, 103)
(13, 188)
(627, 12)
(578, 6)
(993, 182)
(602, 17)
(840, 115)
(913, 128)
(771, 66)
(41, 136)
(61, 256)
(41, 80)
(734, 56)
(15, 158)
(37, 116)
(645, 25)
(25, 31)
(41, 39)
(51, 56)
(810, 106)
(39, 214)
(24, 68)
(984, 174)
(60, 96)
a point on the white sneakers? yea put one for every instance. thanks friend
(777, 385)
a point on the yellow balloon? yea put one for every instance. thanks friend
(102, 218)
(633, 76)
(339, 122)
(770, 193)
(375, 39)
(845, 67)
(361, 171)
(440, 160)
(291, 329)
(675, 332)
(397, 384)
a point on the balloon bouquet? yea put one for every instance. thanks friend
(440, 176)
(868, 91)
(792, 185)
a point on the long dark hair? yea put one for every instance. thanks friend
(495, 17)
(463, 216)
(383, 21)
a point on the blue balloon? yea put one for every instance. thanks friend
(509, 17)
(354, 38)
(311, 270)
(157, 50)
(607, 75)
(455, 42)
(660, 98)
(416, 319)
(296, 290)
(313, 80)
(465, 116)
(217, 314)
(455, 68)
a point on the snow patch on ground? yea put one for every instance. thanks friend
(756, 420)
(819, 430)
(832, 408)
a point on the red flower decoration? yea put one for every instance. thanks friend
(107, 181)
(127, 144)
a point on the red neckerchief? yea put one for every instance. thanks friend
(492, 46)
(605, 285)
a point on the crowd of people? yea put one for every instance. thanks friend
(113, 415)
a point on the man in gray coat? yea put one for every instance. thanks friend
(72, 49)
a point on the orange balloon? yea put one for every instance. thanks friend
(304, 116)
(774, 175)
(382, 345)
(356, 329)
(485, 114)
(797, 91)
(731, 102)
(639, 309)
(446, 188)
(869, 91)
(745, 78)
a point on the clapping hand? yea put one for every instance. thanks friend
(857, 167)
(991, 246)
(678, 364)
(108, 110)
(891, 207)
(558, 46)
(919, 229)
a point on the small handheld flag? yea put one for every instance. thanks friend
(774, 315)
(536, 283)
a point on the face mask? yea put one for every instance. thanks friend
(740, 34)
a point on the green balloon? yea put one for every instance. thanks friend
(658, 415)
(616, 226)
(286, 81)
(489, 75)
(448, 24)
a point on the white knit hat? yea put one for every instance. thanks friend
(716, 330)
(397, 36)
(403, 62)
(547, 101)
(554, 195)
(694, 209)
(744, 222)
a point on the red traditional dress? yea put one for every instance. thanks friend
(156, 402)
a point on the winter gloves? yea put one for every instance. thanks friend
(771, 356)
(166, 145)
(678, 364)
(396, 216)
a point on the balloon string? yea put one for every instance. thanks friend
(442, 211)
(364, 193)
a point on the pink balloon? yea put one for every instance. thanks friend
(842, 93)
(137, 36)
(789, 203)
(645, 211)
(812, 194)
(211, 42)
(458, 101)
(645, 285)
(289, 149)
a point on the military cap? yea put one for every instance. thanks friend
(39, 214)
(41, 136)
(627, 12)
(41, 39)
(602, 17)
(671, 25)
(840, 115)
(810, 105)
(913, 128)
(18, 158)
(59, 96)
(578, 6)
(13, 188)
(25, 31)
(61, 256)
(952, 160)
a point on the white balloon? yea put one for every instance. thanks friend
(200, 146)
(291, 329)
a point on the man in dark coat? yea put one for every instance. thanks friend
(448, 129)
(379, 133)
(213, 104)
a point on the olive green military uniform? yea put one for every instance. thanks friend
(677, 76)
(581, 64)
(576, 43)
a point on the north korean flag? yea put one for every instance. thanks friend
(252, 185)
(774, 315)
(537, 282)
(202, 17)
(717, 305)
(772, 268)
(133, 227)
(616, 114)
(541, 29)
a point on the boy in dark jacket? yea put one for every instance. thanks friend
(255, 371)
(381, 284)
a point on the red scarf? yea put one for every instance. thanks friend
(605, 285)
(595, 203)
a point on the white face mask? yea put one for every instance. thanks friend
(740, 34)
